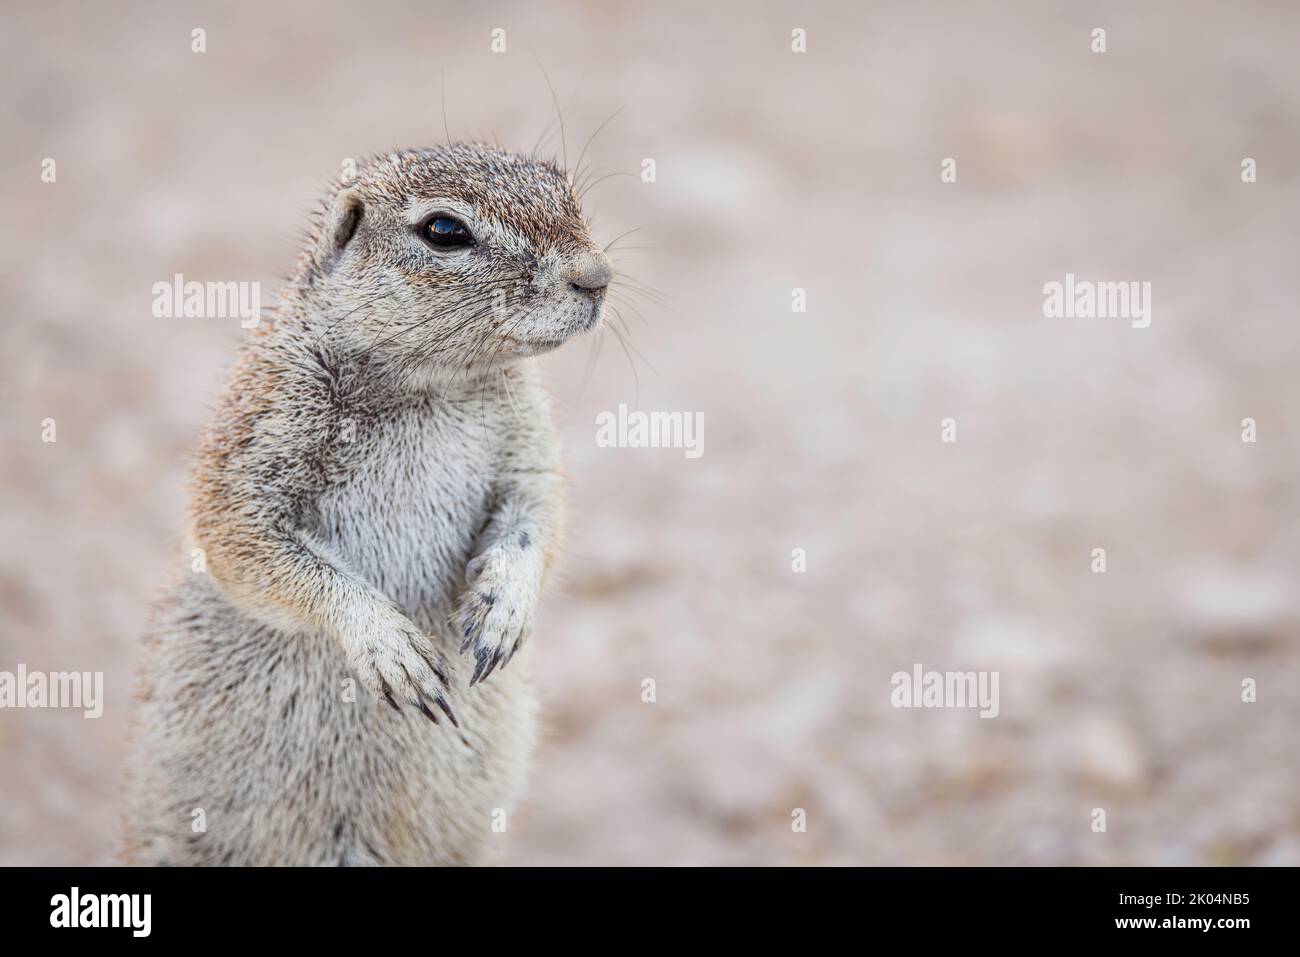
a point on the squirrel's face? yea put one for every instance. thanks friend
(457, 257)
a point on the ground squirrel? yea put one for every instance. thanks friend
(377, 502)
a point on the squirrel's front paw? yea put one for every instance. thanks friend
(495, 614)
(397, 661)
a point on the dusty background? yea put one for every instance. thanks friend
(775, 171)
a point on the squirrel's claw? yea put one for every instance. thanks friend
(388, 695)
(468, 627)
(419, 694)
(487, 660)
(439, 673)
(495, 614)
(513, 650)
(443, 706)
(441, 702)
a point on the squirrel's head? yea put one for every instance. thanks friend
(455, 257)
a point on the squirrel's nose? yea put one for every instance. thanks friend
(589, 272)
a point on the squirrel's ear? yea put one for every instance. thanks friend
(341, 224)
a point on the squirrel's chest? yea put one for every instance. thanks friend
(411, 496)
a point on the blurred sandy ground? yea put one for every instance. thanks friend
(821, 430)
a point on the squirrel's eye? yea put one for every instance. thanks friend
(447, 231)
